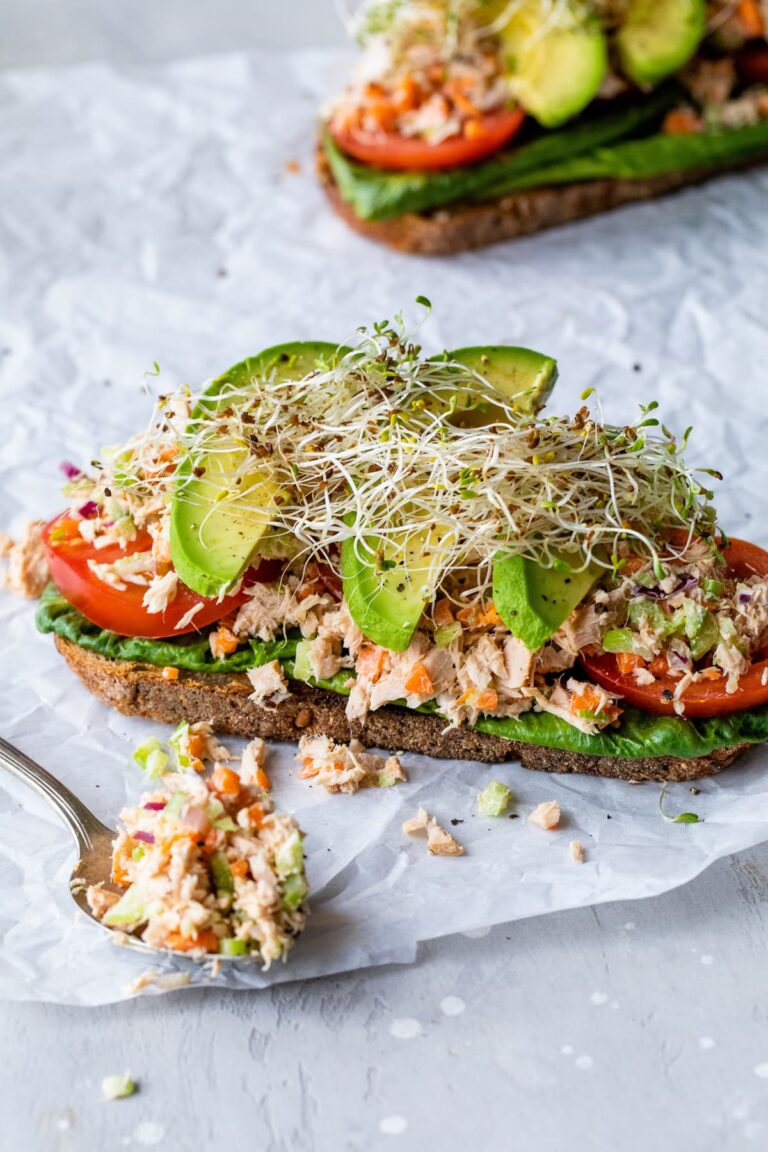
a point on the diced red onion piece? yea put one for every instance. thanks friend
(155, 805)
(71, 471)
(89, 510)
(147, 837)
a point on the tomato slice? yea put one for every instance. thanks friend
(391, 151)
(118, 610)
(707, 697)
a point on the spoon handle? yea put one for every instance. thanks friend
(80, 820)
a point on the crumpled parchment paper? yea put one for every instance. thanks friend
(155, 216)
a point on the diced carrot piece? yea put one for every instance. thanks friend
(659, 666)
(627, 662)
(487, 701)
(681, 122)
(751, 18)
(585, 700)
(224, 640)
(409, 94)
(255, 814)
(712, 674)
(239, 868)
(308, 768)
(466, 615)
(632, 564)
(170, 673)
(442, 613)
(474, 129)
(196, 745)
(263, 780)
(418, 681)
(489, 617)
(225, 781)
(207, 939)
(370, 662)
(465, 697)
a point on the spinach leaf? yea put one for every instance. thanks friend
(378, 195)
(55, 614)
(639, 734)
(654, 156)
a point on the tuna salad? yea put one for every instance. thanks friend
(206, 865)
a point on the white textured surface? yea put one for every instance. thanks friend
(536, 1047)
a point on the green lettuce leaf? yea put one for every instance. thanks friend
(55, 614)
(655, 156)
(619, 144)
(638, 735)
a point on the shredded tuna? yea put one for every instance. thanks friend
(577, 851)
(269, 684)
(27, 570)
(346, 768)
(439, 840)
(546, 815)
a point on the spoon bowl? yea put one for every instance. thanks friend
(94, 847)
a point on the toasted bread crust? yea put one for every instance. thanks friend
(140, 690)
(460, 227)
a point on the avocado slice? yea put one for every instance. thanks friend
(534, 601)
(214, 539)
(658, 37)
(555, 66)
(386, 597)
(517, 374)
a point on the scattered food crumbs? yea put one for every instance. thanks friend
(439, 840)
(292, 167)
(118, 1087)
(27, 571)
(160, 981)
(694, 791)
(452, 1006)
(456, 821)
(494, 800)
(546, 816)
(577, 851)
(346, 768)
(170, 673)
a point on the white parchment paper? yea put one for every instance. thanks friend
(154, 217)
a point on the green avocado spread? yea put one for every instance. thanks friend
(621, 144)
(638, 734)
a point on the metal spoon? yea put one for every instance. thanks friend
(94, 842)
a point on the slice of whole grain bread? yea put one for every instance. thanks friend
(141, 690)
(459, 227)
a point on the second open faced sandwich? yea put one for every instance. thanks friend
(473, 121)
(366, 542)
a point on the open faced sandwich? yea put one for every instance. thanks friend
(472, 121)
(362, 542)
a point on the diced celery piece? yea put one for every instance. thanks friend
(118, 1087)
(494, 800)
(130, 909)
(176, 804)
(714, 588)
(174, 742)
(645, 611)
(447, 635)
(301, 668)
(137, 853)
(706, 639)
(619, 640)
(149, 749)
(294, 892)
(157, 763)
(223, 880)
(290, 857)
(231, 947)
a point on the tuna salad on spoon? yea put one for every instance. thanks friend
(368, 542)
